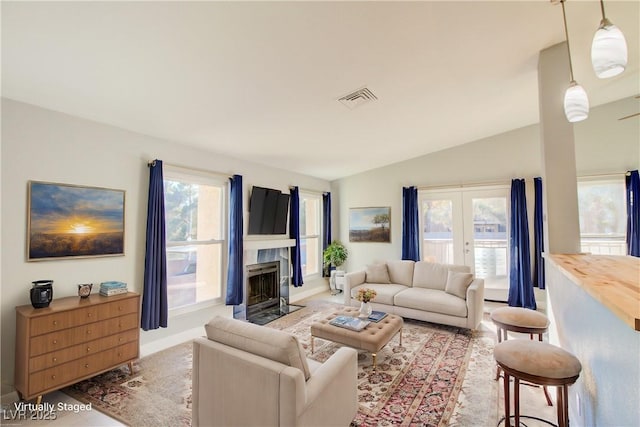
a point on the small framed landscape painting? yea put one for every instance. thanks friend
(70, 221)
(370, 224)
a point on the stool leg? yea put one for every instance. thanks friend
(516, 399)
(507, 401)
(546, 394)
(565, 402)
(560, 406)
(499, 331)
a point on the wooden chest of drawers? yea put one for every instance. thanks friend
(74, 339)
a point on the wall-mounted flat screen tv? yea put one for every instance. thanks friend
(268, 210)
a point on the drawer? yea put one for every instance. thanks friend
(67, 319)
(82, 368)
(60, 357)
(81, 334)
(118, 308)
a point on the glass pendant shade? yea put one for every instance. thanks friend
(608, 50)
(576, 103)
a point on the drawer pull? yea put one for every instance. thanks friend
(55, 359)
(88, 331)
(88, 314)
(55, 323)
(119, 354)
(55, 341)
(119, 325)
(119, 308)
(88, 349)
(120, 339)
(53, 377)
(86, 365)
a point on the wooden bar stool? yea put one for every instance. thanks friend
(523, 320)
(538, 363)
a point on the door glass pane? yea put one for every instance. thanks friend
(490, 237)
(603, 217)
(438, 231)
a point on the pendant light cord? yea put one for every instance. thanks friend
(602, 9)
(566, 34)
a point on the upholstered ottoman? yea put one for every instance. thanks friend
(372, 338)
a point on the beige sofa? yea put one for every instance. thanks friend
(438, 293)
(250, 375)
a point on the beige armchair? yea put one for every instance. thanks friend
(250, 375)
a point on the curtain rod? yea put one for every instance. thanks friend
(605, 174)
(189, 168)
(306, 190)
(506, 183)
(473, 184)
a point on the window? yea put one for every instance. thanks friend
(196, 247)
(310, 233)
(603, 215)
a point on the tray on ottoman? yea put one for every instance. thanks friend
(372, 338)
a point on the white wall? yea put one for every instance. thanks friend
(603, 145)
(43, 145)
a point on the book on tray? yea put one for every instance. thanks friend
(377, 316)
(349, 322)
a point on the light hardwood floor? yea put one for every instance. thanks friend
(532, 399)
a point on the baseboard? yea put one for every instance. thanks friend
(299, 296)
(10, 397)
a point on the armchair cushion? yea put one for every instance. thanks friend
(266, 342)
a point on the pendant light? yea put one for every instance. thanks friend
(576, 102)
(609, 49)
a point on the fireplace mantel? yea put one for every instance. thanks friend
(253, 243)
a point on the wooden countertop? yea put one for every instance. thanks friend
(612, 280)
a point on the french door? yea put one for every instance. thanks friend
(470, 227)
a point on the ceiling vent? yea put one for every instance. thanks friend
(358, 98)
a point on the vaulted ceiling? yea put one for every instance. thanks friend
(260, 80)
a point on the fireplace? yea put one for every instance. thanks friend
(266, 282)
(263, 287)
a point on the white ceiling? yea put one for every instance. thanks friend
(260, 80)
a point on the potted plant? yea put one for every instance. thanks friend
(334, 256)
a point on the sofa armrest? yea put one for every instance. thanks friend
(331, 391)
(351, 280)
(475, 303)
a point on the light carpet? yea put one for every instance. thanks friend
(439, 376)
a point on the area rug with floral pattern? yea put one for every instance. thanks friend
(425, 381)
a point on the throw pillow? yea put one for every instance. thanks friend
(457, 283)
(377, 273)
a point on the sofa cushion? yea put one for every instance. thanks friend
(431, 300)
(377, 273)
(265, 342)
(401, 271)
(457, 283)
(384, 293)
(430, 275)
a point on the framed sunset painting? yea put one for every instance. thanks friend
(71, 221)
